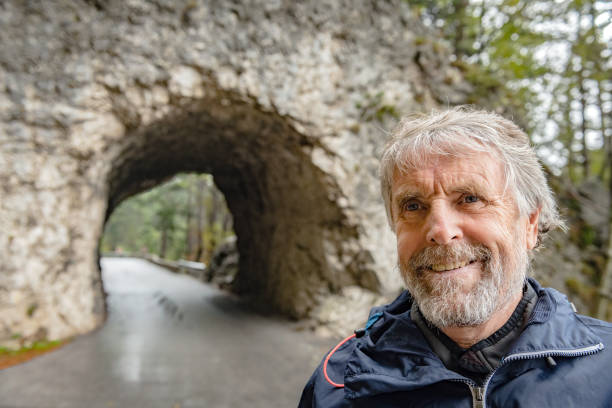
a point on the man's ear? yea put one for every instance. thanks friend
(531, 230)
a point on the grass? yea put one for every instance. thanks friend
(9, 357)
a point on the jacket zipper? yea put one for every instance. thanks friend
(477, 396)
(479, 393)
(476, 391)
(584, 351)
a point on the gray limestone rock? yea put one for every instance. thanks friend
(286, 103)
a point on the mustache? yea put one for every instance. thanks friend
(444, 254)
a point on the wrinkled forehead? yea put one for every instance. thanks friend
(482, 167)
(415, 154)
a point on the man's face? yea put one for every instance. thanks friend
(462, 245)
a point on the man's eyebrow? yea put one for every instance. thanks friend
(472, 186)
(469, 188)
(479, 190)
(406, 195)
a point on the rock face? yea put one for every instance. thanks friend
(285, 103)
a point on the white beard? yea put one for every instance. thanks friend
(445, 303)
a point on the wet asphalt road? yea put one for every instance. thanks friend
(170, 342)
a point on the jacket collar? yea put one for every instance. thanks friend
(554, 328)
(395, 356)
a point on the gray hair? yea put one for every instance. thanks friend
(464, 132)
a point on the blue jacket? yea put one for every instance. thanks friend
(560, 360)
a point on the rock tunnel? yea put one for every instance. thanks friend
(285, 214)
(286, 104)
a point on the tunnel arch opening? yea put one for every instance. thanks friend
(294, 240)
(184, 219)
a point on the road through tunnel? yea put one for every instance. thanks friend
(293, 239)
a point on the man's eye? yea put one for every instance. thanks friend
(412, 206)
(470, 198)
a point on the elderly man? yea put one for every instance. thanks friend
(468, 201)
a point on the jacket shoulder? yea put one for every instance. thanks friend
(319, 390)
(601, 327)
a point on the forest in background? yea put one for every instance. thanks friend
(547, 64)
(184, 218)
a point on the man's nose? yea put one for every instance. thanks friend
(442, 224)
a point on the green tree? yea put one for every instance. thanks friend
(546, 63)
(183, 218)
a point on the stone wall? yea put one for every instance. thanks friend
(286, 103)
